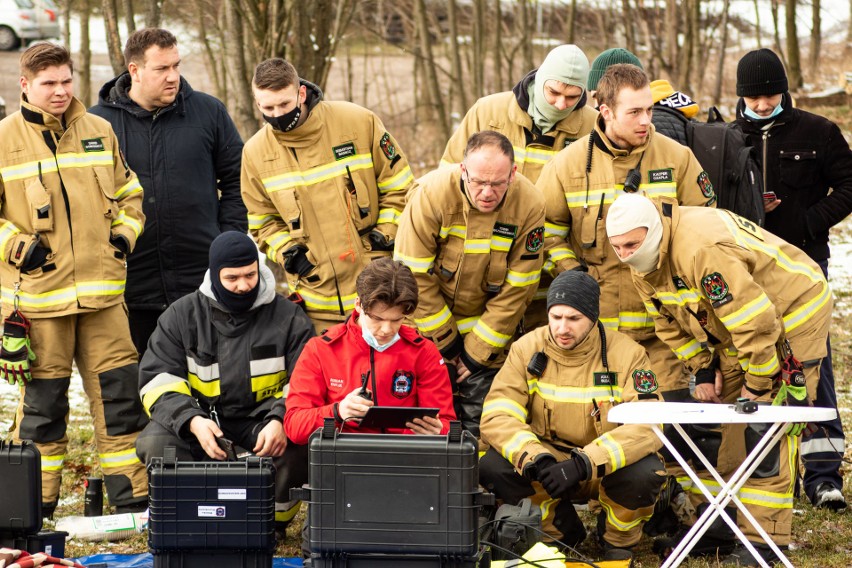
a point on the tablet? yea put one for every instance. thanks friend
(394, 416)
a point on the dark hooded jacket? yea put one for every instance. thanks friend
(803, 156)
(185, 155)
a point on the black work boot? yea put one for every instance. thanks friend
(742, 557)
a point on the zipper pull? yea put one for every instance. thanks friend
(214, 416)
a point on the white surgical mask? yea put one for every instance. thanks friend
(373, 342)
(754, 116)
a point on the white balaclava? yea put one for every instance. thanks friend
(566, 64)
(631, 211)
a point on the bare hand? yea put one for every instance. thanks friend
(710, 393)
(206, 431)
(271, 442)
(771, 205)
(426, 425)
(354, 405)
(461, 368)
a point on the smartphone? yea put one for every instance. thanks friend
(227, 446)
(769, 196)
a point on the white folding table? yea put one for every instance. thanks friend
(677, 413)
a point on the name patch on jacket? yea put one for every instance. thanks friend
(344, 150)
(402, 383)
(505, 230)
(644, 381)
(93, 145)
(660, 176)
(605, 379)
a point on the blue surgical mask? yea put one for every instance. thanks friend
(754, 116)
(373, 342)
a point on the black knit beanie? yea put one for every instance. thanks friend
(232, 249)
(761, 73)
(577, 290)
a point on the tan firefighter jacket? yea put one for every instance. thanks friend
(476, 272)
(567, 406)
(325, 184)
(500, 112)
(577, 204)
(723, 279)
(70, 188)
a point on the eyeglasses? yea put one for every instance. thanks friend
(482, 184)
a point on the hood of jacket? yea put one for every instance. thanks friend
(115, 94)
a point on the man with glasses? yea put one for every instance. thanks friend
(473, 236)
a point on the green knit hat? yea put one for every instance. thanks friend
(605, 59)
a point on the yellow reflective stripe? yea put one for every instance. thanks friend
(477, 246)
(388, 215)
(522, 279)
(489, 335)
(609, 323)
(505, 406)
(397, 182)
(318, 174)
(500, 244)
(256, 222)
(28, 169)
(538, 155)
(100, 288)
(546, 507)
(746, 313)
(284, 516)
(772, 500)
(657, 190)
(158, 386)
(265, 386)
(617, 459)
(7, 231)
(275, 242)
(554, 230)
(459, 231)
(466, 325)
(434, 321)
(418, 265)
(125, 219)
(131, 187)
(43, 300)
(651, 309)
(316, 301)
(581, 198)
(209, 389)
(617, 523)
(118, 459)
(206, 373)
(520, 439)
(767, 369)
(573, 395)
(679, 298)
(52, 463)
(799, 316)
(84, 160)
(540, 294)
(635, 320)
(560, 253)
(688, 350)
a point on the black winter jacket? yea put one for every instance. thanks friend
(669, 122)
(803, 156)
(184, 155)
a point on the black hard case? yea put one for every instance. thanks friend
(393, 500)
(20, 489)
(204, 514)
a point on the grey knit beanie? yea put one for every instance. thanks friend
(577, 290)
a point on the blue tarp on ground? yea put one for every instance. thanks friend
(147, 561)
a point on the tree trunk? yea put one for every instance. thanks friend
(243, 113)
(627, 18)
(498, 45)
(794, 63)
(572, 21)
(154, 14)
(527, 33)
(65, 22)
(720, 68)
(684, 59)
(457, 83)
(478, 46)
(776, 32)
(116, 57)
(757, 33)
(129, 16)
(220, 83)
(816, 39)
(672, 63)
(425, 49)
(85, 63)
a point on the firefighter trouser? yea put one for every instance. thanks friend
(626, 497)
(99, 342)
(768, 493)
(291, 469)
(469, 397)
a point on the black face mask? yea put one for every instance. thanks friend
(285, 122)
(234, 303)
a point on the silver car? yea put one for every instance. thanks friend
(22, 21)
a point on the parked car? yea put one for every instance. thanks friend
(25, 21)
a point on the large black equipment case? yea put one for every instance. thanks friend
(205, 514)
(20, 489)
(377, 500)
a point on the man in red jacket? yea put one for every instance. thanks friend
(371, 359)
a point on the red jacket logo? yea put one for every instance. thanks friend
(402, 383)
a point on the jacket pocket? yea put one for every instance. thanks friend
(798, 168)
(363, 216)
(291, 212)
(449, 259)
(104, 179)
(41, 213)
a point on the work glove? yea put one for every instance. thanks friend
(379, 242)
(793, 391)
(560, 478)
(120, 242)
(537, 464)
(15, 353)
(35, 258)
(296, 260)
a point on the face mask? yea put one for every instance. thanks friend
(647, 256)
(231, 301)
(373, 342)
(754, 116)
(285, 122)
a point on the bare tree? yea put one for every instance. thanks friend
(720, 68)
(816, 38)
(498, 44)
(627, 18)
(65, 8)
(116, 57)
(153, 14)
(776, 34)
(425, 55)
(455, 57)
(757, 33)
(85, 63)
(243, 113)
(477, 69)
(794, 63)
(527, 31)
(129, 16)
(571, 24)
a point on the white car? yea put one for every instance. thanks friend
(25, 21)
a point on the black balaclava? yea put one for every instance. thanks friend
(232, 249)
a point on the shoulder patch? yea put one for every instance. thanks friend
(535, 239)
(93, 145)
(661, 176)
(705, 185)
(387, 146)
(715, 286)
(644, 381)
(402, 383)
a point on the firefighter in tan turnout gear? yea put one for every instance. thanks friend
(749, 313)
(70, 211)
(472, 236)
(545, 419)
(623, 154)
(324, 184)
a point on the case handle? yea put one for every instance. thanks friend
(455, 434)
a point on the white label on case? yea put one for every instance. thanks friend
(215, 511)
(232, 494)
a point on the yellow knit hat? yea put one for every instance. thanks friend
(664, 94)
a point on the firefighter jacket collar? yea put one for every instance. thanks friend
(521, 92)
(306, 134)
(116, 93)
(266, 281)
(603, 142)
(36, 117)
(577, 356)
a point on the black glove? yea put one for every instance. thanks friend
(705, 376)
(121, 243)
(35, 258)
(537, 465)
(296, 260)
(379, 242)
(561, 477)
